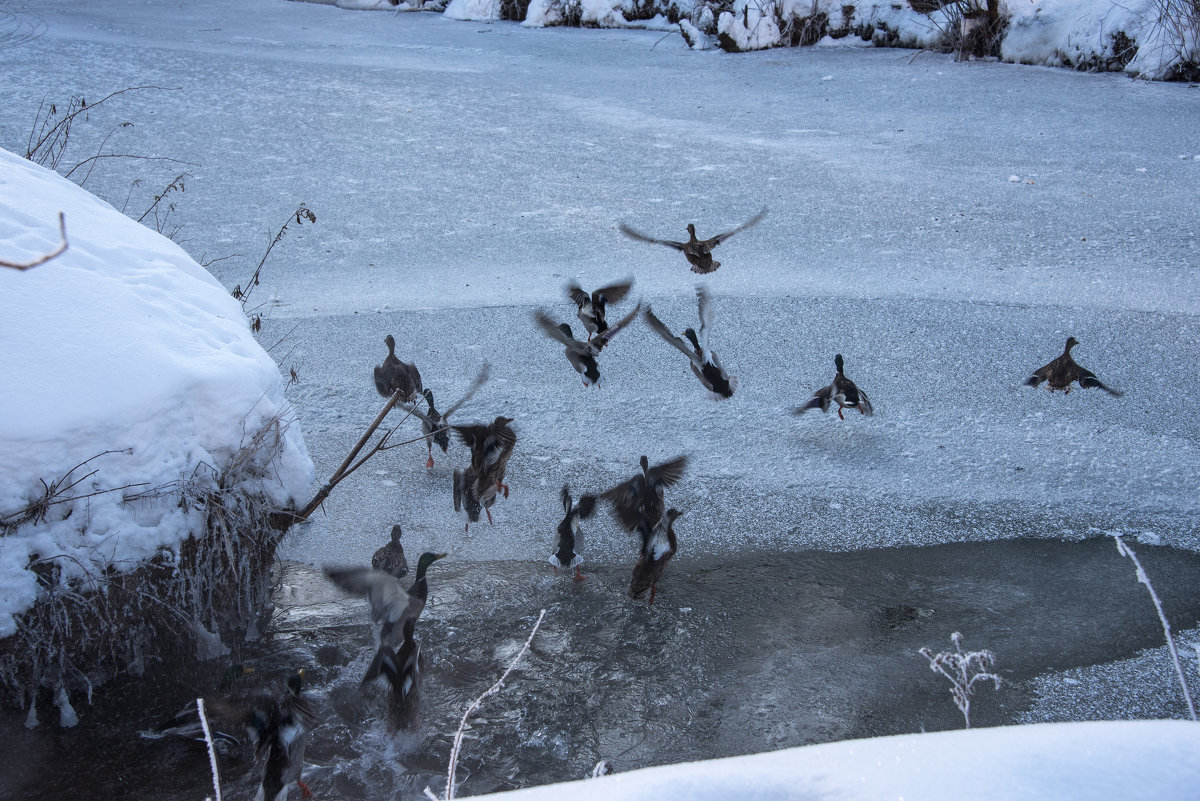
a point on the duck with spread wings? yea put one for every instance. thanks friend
(491, 447)
(1063, 371)
(704, 362)
(697, 251)
(435, 425)
(842, 391)
(592, 307)
(582, 355)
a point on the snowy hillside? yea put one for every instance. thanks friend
(128, 369)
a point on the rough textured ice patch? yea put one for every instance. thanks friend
(123, 344)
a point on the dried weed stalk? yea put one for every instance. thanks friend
(963, 669)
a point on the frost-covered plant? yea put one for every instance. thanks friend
(1172, 47)
(963, 669)
(1126, 551)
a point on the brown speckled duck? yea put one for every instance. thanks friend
(697, 251)
(638, 503)
(656, 552)
(491, 447)
(435, 425)
(390, 558)
(1063, 371)
(396, 376)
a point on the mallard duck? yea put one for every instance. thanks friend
(436, 425)
(697, 251)
(842, 391)
(638, 503)
(402, 669)
(582, 355)
(491, 447)
(396, 376)
(391, 605)
(390, 558)
(704, 363)
(283, 733)
(186, 722)
(1060, 373)
(592, 307)
(568, 540)
(656, 552)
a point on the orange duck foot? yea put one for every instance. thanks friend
(489, 514)
(304, 789)
(579, 576)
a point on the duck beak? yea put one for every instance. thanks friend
(438, 556)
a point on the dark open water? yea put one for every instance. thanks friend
(736, 656)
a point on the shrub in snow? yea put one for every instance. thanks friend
(963, 669)
(144, 444)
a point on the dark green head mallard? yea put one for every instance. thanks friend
(837, 360)
(690, 333)
(231, 675)
(426, 560)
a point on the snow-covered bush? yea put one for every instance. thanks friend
(144, 443)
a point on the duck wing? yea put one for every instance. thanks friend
(719, 238)
(600, 341)
(575, 293)
(387, 598)
(704, 302)
(667, 474)
(551, 329)
(658, 327)
(1088, 380)
(626, 499)
(614, 293)
(480, 380)
(819, 400)
(632, 234)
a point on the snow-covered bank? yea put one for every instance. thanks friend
(1055, 762)
(1153, 39)
(131, 379)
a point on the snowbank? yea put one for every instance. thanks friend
(1054, 762)
(125, 352)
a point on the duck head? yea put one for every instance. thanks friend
(396, 532)
(566, 329)
(426, 560)
(390, 341)
(690, 333)
(837, 360)
(1071, 342)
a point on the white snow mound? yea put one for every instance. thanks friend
(124, 344)
(1047, 762)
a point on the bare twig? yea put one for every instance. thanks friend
(462, 727)
(301, 214)
(62, 246)
(1125, 550)
(212, 754)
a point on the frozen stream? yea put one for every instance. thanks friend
(944, 226)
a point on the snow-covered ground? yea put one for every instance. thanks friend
(1057, 762)
(944, 226)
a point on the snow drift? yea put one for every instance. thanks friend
(128, 369)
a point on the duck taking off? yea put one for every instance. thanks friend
(592, 307)
(704, 363)
(491, 447)
(582, 355)
(697, 251)
(396, 376)
(652, 562)
(436, 425)
(568, 541)
(842, 391)
(402, 669)
(638, 503)
(1063, 371)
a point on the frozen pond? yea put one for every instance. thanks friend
(944, 226)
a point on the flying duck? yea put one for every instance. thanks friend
(1060, 373)
(396, 376)
(582, 355)
(697, 251)
(592, 307)
(568, 541)
(704, 363)
(842, 391)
